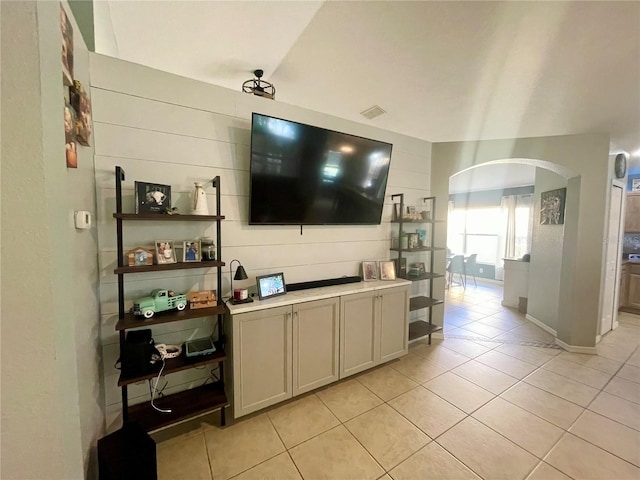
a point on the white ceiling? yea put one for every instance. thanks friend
(443, 71)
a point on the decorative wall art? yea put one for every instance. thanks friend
(67, 47)
(552, 207)
(82, 105)
(70, 136)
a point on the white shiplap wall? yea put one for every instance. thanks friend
(167, 129)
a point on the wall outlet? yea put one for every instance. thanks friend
(481, 270)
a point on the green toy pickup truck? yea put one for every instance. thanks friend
(159, 301)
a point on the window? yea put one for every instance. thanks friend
(482, 230)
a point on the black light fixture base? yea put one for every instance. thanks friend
(233, 301)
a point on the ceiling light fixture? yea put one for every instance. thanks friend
(259, 87)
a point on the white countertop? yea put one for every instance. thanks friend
(311, 294)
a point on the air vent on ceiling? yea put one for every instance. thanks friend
(373, 112)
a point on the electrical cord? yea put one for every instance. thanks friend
(155, 388)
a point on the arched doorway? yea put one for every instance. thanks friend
(584, 161)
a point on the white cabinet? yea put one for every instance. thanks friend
(373, 329)
(282, 352)
(633, 292)
(315, 344)
(394, 327)
(359, 333)
(287, 350)
(262, 359)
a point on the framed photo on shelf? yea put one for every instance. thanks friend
(271, 285)
(401, 267)
(412, 241)
(152, 197)
(165, 253)
(387, 270)
(422, 237)
(191, 251)
(139, 256)
(369, 271)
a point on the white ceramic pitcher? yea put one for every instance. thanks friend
(199, 205)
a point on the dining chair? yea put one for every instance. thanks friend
(470, 267)
(456, 265)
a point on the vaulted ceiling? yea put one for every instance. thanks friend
(442, 71)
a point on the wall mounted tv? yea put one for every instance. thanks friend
(306, 175)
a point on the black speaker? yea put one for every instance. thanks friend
(135, 358)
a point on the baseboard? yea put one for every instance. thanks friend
(577, 348)
(542, 325)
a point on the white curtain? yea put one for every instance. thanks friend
(517, 214)
(508, 236)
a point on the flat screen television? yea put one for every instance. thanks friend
(306, 175)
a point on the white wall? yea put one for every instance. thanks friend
(546, 256)
(168, 129)
(583, 160)
(51, 405)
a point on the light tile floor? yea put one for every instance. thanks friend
(480, 403)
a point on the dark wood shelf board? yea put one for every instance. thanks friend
(421, 249)
(134, 321)
(421, 328)
(416, 303)
(162, 217)
(183, 405)
(177, 364)
(426, 276)
(169, 266)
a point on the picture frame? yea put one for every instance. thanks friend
(387, 270)
(635, 185)
(82, 106)
(552, 205)
(67, 47)
(139, 256)
(71, 153)
(152, 197)
(412, 241)
(165, 253)
(271, 285)
(191, 251)
(369, 271)
(401, 267)
(422, 237)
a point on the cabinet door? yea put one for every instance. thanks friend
(359, 345)
(632, 213)
(316, 329)
(261, 359)
(394, 323)
(634, 291)
(624, 286)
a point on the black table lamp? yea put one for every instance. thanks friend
(239, 275)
